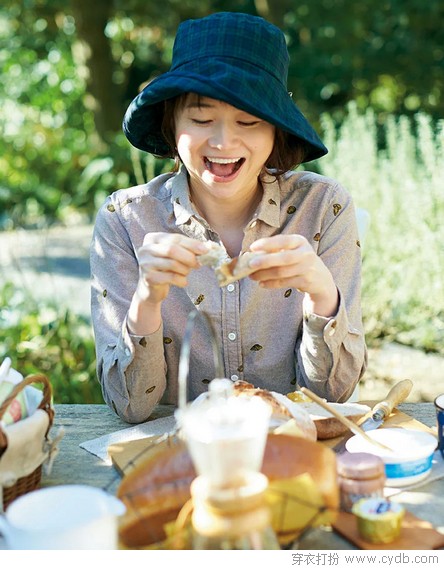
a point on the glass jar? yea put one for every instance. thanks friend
(360, 476)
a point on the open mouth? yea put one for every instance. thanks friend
(223, 167)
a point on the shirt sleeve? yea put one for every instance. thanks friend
(131, 369)
(331, 353)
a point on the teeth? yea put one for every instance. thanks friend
(223, 160)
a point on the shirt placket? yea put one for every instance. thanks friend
(231, 332)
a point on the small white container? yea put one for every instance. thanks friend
(63, 517)
(411, 458)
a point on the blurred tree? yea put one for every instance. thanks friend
(44, 145)
(69, 70)
(91, 20)
(373, 52)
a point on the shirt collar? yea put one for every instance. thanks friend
(180, 196)
(270, 205)
(268, 210)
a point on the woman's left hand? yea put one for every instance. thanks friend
(290, 261)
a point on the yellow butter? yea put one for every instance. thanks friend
(379, 520)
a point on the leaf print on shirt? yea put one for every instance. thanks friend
(110, 208)
(199, 300)
(128, 201)
(256, 347)
(291, 209)
(167, 340)
(336, 209)
(317, 237)
(287, 293)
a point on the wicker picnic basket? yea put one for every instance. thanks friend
(24, 445)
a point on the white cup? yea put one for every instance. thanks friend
(64, 517)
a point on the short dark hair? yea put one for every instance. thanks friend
(288, 151)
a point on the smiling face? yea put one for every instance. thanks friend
(223, 148)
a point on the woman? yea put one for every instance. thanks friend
(224, 113)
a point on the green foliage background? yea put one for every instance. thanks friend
(368, 75)
(70, 68)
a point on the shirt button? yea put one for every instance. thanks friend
(230, 287)
(232, 336)
(234, 377)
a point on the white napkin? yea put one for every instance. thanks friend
(99, 446)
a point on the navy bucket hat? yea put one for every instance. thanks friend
(236, 58)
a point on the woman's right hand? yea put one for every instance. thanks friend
(166, 259)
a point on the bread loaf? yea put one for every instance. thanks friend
(327, 425)
(243, 388)
(158, 487)
(154, 492)
(280, 411)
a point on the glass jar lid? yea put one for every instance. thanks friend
(360, 465)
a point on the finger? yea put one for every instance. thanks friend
(148, 262)
(154, 253)
(155, 278)
(298, 259)
(278, 242)
(284, 283)
(181, 240)
(275, 284)
(175, 251)
(280, 272)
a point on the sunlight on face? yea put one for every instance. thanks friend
(223, 148)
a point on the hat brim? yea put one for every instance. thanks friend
(259, 94)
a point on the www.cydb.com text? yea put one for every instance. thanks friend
(341, 560)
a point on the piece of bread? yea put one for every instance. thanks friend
(227, 270)
(243, 388)
(327, 426)
(156, 489)
(237, 268)
(215, 256)
(280, 411)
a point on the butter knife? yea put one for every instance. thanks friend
(381, 411)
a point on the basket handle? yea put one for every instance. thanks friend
(44, 405)
(184, 359)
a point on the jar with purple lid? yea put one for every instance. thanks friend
(360, 476)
